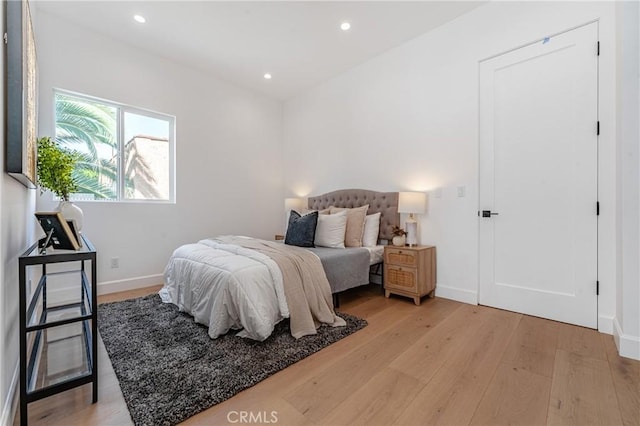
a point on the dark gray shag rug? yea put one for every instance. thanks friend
(169, 368)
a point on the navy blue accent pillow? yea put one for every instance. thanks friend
(301, 230)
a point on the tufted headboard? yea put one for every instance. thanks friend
(384, 202)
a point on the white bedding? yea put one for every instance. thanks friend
(226, 287)
(376, 254)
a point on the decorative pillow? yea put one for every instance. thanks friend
(302, 212)
(331, 229)
(355, 224)
(371, 230)
(302, 229)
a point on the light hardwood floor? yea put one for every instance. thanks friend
(441, 363)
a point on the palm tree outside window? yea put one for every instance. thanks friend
(126, 153)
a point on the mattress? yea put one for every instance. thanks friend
(349, 267)
(376, 254)
(345, 268)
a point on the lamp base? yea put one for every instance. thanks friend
(412, 233)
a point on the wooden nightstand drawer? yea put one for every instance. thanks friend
(400, 256)
(402, 278)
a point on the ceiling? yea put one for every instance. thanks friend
(299, 43)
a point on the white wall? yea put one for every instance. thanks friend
(408, 120)
(229, 151)
(627, 320)
(16, 232)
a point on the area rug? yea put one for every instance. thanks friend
(169, 368)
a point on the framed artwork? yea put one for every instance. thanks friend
(22, 95)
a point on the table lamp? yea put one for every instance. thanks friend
(296, 204)
(412, 203)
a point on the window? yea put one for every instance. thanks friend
(125, 153)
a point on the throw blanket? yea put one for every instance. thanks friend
(306, 286)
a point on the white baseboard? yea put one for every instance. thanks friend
(458, 294)
(628, 346)
(605, 324)
(72, 294)
(10, 406)
(130, 284)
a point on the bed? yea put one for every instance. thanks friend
(239, 283)
(352, 267)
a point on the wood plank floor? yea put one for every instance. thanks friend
(442, 363)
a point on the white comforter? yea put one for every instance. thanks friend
(226, 287)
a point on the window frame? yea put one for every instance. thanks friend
(121, 109)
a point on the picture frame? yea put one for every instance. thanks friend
(59, 234)
(22, 95)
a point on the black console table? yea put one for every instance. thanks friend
(58, 339)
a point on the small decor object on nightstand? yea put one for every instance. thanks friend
(399, 236)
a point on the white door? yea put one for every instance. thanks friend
(538, 178)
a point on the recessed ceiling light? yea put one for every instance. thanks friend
(345, 26)
(139, 18)
(267, 76)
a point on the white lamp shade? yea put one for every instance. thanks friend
(412, 202)
(296, 204)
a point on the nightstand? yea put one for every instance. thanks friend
(410, 271)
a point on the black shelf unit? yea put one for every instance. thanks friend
(69, 328)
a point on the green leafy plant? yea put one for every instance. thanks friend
(55, 168)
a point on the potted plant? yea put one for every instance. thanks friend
(399, 236)
(55, 173)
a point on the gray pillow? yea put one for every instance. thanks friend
(301, 230)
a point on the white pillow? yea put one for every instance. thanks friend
(371, 230)
(330, 230)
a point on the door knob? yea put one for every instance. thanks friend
(489, 213)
